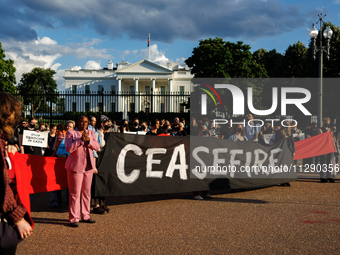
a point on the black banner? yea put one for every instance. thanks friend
(142, 165)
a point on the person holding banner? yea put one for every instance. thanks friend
(99, 206)
(15, 221)
(80, 166)
(239, 134)
(154, 128)
(286, 133)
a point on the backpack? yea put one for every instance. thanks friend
(61, 152)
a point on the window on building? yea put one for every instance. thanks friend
(181, 108)
(74, 89)
(162, 107)
(74, 106)
(162, 90)
(87, 89)
(132, 107)
(113, 89)
(113, 107)
(100, 89)
(100, 107)
(147, 89)
(181, 90)
(132, 89)
(87, 106)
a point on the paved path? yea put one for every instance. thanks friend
(301, 219)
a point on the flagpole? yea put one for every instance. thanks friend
(149, 46)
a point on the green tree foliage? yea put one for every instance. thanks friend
(7, 73)
(330, 67)
(272, 61)
(294, 63)
(215, 58)
(41, 83)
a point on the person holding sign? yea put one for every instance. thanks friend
(80, 166)
(33, 150)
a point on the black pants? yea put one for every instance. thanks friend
(325, 171)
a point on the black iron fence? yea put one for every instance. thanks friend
(62, 106)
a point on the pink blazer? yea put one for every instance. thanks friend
(76, 161)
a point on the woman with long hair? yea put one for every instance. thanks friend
(124, 126)
(13, 213)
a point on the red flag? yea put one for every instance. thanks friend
(314, 146)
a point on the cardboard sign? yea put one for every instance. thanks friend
(36, 139)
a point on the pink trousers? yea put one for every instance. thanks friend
(79, 185)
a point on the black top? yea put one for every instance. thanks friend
(152, 133)
(279, 136)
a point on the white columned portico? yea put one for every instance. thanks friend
(153, 90)
(120, 103)
(137, 101)
(170, 97)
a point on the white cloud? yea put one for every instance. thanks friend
(156, 55)
(45, 40)
(128, 52)
(76, 68)
(44, 52)
(181, 61)
(92, 65)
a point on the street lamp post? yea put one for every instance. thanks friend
(313, 33)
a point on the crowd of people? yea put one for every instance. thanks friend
(254, 131)
(82, 141)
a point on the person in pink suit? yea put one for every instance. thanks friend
(80, 166)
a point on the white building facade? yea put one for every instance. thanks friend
(151, 84)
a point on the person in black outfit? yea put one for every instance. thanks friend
(135, 127)
(325, 160)
(51, 140)
(286, 133)
(154, 128)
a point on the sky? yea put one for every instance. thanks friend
(87, 34)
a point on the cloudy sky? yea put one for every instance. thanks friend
(87, 34)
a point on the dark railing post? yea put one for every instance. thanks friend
(102, 101)
(51, 109)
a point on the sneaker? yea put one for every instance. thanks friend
(75, 224)
(207, 195)
(89, 220)
(323, 180)
(98, 210)
(330, 180)
(198, 197)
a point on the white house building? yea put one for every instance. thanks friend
(144, 77)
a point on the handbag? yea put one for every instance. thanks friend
(9, 235)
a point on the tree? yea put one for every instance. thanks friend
(272, 61)
(215, 58)
(38, 81)
(7, 73)
(295, 60)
